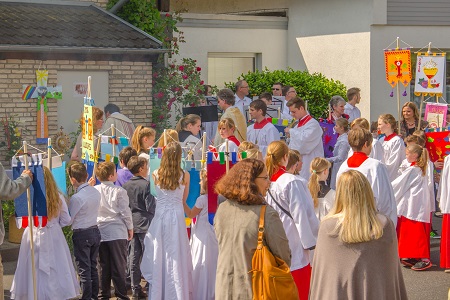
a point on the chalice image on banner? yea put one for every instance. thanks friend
(430, 70)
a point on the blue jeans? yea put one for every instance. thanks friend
(86, 243)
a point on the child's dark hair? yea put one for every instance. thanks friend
(104, 170)
(126, 154)
(78, 171)
(136, 163)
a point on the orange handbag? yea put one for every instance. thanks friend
(271, 276)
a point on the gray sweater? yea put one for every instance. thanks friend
(10, 189)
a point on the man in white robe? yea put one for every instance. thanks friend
(262, 132)
(375, 171)
(306, 137)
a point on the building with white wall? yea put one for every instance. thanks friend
(342, 39)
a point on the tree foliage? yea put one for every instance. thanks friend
(315, 88)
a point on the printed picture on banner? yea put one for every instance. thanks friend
(79, 89)
(430, 74)
(436, 114)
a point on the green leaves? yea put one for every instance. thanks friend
(315, 88)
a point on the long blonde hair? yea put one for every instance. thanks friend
(355, 209)
(52, 195)
(276, 151)
(186, 120)
(251, 149)
(171, 136)
(422, 159)
(170, 171)
(139, 133)
(318, 166)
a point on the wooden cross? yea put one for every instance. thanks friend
(41, 92)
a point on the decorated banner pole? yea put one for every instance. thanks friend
(97, 154)
(165, 138)
(30, 224)
(421, 109)
(204, 150)
(398, 95)
(279, 113)
(49, 153)
(227, 161)
(113, 140)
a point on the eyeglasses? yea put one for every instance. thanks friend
(244, 87)
(263, 177)
(292, 92)
(275, 89)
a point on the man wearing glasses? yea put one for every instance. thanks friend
(276, 89)
(241, 99)
(289, 93)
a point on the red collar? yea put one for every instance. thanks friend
(356, 159)
(413, 164)
(234, 140)
(390, 137)
(277, 175)
(260, 125)
(303, 121)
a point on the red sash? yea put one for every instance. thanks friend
(389, 137)
(277, 175)
(261, 124)
(304, 120)
(234, 140)
(356, 159)
(413, 164)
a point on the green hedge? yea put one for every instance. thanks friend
(315, 88)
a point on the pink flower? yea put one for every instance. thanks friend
(167, 15)
(172, 66)
(185, 77)
(159, 95)
(161, 117)
(199, 91)
(153, 125)
(181, 68)
(155, 75)
(192, 104)
(186, 86)
(202, 82)
(199, 69)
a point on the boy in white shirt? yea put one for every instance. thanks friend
(262, 132)
(83, 208)
(116, 227)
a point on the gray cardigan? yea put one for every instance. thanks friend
(10, 189)
(236, 227)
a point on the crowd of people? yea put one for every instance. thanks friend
(325, 216)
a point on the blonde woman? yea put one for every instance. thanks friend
(55, 273)
(323, 196)
(167, 262)
(345, 266)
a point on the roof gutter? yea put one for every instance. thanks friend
(84, 50)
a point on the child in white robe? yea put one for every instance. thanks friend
(204, 246)
(393, 145)
(375, 171)
(323, 196)
(340, 150)
(414, 211)
(377, 151)
(290, 197)
(306, 137)
(262, 132)
(55, 273)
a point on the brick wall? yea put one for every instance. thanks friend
(130, 85)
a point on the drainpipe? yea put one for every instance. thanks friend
(118, 6)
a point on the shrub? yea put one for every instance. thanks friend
(315, 88)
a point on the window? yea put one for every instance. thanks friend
(227, 67)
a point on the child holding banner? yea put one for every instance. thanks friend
(55, 273)
(204, 246)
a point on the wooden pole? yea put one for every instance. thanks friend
(279, 113)
(113, 134)
(88, 92)
(204, 150)
(49, 153)
(96, 155)
(420, 110)
(30, 225)
(165, 137)
(227, 162)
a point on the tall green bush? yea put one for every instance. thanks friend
(315, 88)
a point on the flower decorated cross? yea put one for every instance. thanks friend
(41, 92)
